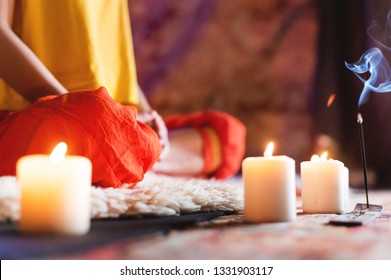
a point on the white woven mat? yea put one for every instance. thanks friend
(155, 195)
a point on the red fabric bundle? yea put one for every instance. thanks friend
(93, 125)
(231, 134)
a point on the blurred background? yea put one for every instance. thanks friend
(276, 65)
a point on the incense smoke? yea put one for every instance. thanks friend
(374, 62)
(381, 37)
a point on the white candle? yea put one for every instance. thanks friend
(325, 185)
(269, 188)
(55, 192)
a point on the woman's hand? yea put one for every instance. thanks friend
(153, 119)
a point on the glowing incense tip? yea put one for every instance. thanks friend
(359, 118)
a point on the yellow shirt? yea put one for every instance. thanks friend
(84, 43)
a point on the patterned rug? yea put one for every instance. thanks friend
(310, 237)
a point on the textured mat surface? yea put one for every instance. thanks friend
(156, 195)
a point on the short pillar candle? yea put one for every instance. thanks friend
(324, 185)
(55, 193)
(269, 188)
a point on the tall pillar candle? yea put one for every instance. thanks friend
(325, 185)
(269, 188)
(55, 193)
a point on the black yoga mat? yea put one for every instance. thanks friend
(16, 245)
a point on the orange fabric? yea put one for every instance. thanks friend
(93, 125)
(231, 134)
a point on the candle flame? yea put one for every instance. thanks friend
(324, 156)
(269, 150)
(331, 99)
(58, 152)
(315, 158)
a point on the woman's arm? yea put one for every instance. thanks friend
(19, 66)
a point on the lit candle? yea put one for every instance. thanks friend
(269, 188)
(55, 192)
(325, 185)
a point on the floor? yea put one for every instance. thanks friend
(215, 235)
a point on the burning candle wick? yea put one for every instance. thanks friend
(363, 157)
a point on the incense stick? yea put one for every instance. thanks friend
(363, 157)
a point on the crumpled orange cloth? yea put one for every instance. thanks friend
(231, 133)
(93, 125)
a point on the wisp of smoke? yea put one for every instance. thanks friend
(373, 63)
